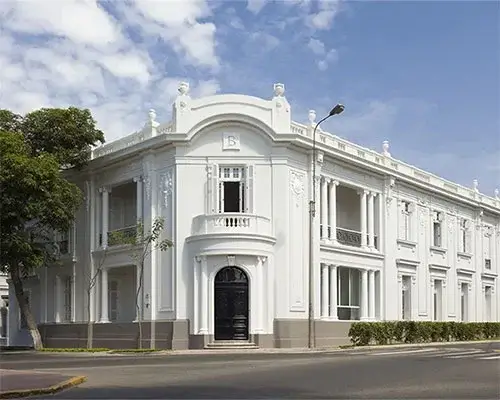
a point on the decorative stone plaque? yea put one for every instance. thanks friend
(230, 141)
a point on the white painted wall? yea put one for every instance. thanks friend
(174, 161)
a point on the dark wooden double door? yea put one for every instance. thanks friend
(231, 304)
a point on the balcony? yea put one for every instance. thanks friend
(231, 223)
(348, 237)
(231, 233)
(120, 236)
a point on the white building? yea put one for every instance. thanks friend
(231, 175)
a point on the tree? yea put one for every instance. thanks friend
(143, 244)
(36, 197)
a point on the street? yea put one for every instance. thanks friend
(452, 372)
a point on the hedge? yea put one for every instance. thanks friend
(392, 332)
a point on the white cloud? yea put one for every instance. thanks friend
(176, 21)
(324, 17)
(325, 58)
(316, 46)
(79, 54)
(82, 21)
(264, 41)
(255, 6)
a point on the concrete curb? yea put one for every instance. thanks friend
(11, 394)
(269, 351)
(431, 344)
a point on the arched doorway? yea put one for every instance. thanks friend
(231, 304)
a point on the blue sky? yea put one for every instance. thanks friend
(424, 75)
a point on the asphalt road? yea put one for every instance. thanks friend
(447, 372)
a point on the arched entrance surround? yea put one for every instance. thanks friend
(231, 300)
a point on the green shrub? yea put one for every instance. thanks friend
(389, 332)
(74, 350)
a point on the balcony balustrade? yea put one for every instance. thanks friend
(235, 223)
(120, 236)
(352, 238)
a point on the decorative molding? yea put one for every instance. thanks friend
(198, 258)
(147, 185)
(231, 141)
(297, 183)
(168, 185)
(262, 259)
(231, 260)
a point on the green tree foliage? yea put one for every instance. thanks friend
(35, 197)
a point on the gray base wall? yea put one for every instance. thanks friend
(288, 333)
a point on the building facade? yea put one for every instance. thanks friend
(232, 176)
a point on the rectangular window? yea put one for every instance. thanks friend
(437, 231)
(406, 298)
(113, 300)
(464, 302)
(232, 190)
(487, 247)
(464, 236)
(348, 290)
(488, 295)
(4, 309)
(437, 300)
(405, 220)
(68, 295)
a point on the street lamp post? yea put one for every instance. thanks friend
(338, 109)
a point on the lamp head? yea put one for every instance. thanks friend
(338, 109)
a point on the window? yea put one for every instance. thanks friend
(437, 300)
(232, 189)
(4, 310)
(62, 242)
(406, 209)
(464, 302)
(464, 245)
(488, 294)
(437, 231)
(348, 289)
(22, 319)
(487, 247)
(113, 300)
(406, 298)
(68, 299)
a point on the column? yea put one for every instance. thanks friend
(371, 221)
(364, 294)
(139, 284)
(371, 291)
(333, 293)
(204, 300)
(324, 291)
(104, 295)
(333, 210)
(139, 191)
(105, 216)
(363, 195)
(324, 208)
(262, 292)
(58, 300)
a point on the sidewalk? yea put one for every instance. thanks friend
(15, 383)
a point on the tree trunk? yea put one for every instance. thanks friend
(138, 303)
(25, 308)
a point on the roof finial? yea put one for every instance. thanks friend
(279, 89)
(183, 88)
(312, 117)
(385, 148)
(497, 194)
(475, 185)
